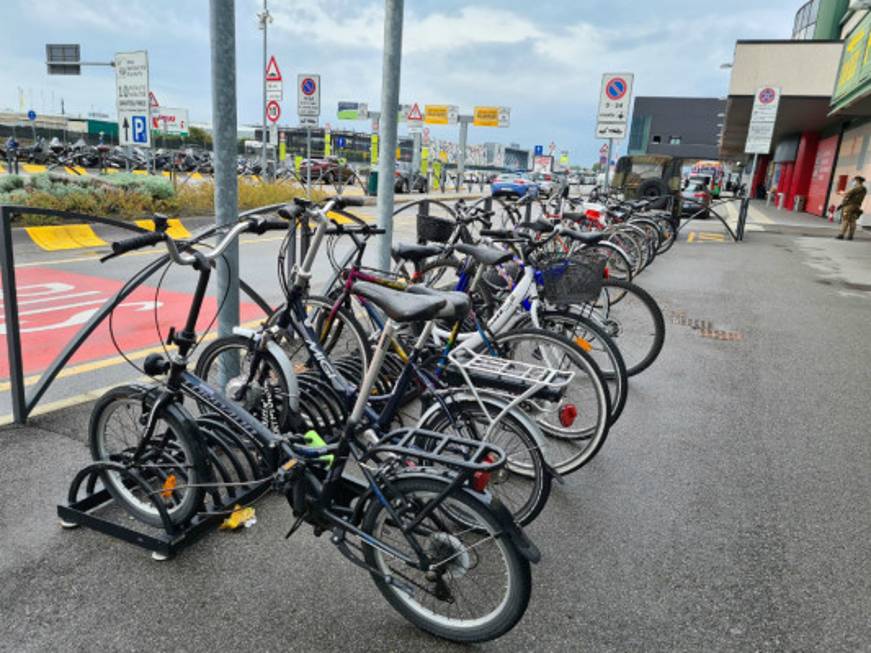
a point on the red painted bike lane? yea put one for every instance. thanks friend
(53, 306)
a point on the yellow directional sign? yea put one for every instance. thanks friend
(491, 117)
(440, 114)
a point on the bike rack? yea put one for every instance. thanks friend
(23, 402)
(238, 471)
(737, 235)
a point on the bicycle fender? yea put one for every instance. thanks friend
(281, 359)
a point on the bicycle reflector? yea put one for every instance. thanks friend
(583, 344)
(568, 414)
(168, 486)
(481, 479)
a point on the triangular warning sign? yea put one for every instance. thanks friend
(273, 74)
(152, 100)
(415, 113)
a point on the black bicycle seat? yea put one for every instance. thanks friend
(541, 226)
(575, 216)
(401, 306)
(587, 237)
(415, 253)
(458, 306)
(484, 254)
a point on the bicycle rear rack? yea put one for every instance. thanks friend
(239, 479)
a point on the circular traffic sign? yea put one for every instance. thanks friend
(31, 115)
(616, 88)
(767, 95)
(273, 111)
(308, 86)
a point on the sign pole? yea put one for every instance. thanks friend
(390, 69)
(222, 19)
(308, 156)
(608, 165)
(461, 161)
(264, 20)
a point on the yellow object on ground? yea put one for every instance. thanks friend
(174, 227)
(33, 168)
(240, 517)
(70, 236)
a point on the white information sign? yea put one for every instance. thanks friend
(762, 120)
(308, 95)
(614, 105)
(165, 120)
(132, 98)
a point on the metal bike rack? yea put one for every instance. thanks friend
(23, 402)
(742, 217)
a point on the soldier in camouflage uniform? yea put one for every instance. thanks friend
(851, 208)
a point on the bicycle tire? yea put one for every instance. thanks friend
(177, 451)
(651, 324)
(407, 493)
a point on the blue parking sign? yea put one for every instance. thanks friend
(539, 150)
(139, 126)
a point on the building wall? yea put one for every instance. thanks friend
(854, 158)
(658, 121)
(801, 68)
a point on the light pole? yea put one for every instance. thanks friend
(264, 18)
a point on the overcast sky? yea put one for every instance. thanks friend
(543, 58)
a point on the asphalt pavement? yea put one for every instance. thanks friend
(728, 510)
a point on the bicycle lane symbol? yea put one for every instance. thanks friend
(51, 312)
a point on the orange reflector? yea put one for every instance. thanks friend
(290, 464)
(168, 486)
(583, 344)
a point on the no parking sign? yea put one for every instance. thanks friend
(614, 105)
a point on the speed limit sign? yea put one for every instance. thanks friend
(273, 111)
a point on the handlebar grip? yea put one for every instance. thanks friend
(260, 227)
(574, 215)
(290, 212)
(498, 233)
(136, 242)
(342, 202)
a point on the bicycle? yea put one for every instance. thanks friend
(421, 532)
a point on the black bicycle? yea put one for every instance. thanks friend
(441, 550)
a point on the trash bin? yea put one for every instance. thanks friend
(372, 186)
(798, 203)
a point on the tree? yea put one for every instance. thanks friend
(200, 136)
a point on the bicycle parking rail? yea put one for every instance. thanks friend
(23, 403)
(738, 234)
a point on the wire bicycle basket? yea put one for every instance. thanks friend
(574, 280)
(434, 229)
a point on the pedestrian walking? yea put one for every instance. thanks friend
(12, 155)
(851, 208)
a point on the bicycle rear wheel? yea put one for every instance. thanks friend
(477, 585)
(635, 320)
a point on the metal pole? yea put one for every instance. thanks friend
(752, 192)
(608, 164)
(222, 18)
(393, 13)
(461, 162)
(265, 18)
(10, 314)
(308, 156)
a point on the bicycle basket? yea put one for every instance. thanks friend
(433, 229)
(572, 280)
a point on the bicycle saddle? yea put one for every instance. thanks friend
(541, 226)
(415, 253)
(458, 303)
(587, 237)
(401, 306)
(484, 254)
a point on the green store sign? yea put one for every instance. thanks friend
(854, 74)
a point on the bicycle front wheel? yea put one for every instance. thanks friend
(475, 586)
(171, 467)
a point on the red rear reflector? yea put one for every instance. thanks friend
(593, 214)
(568, 414)
(480, 480)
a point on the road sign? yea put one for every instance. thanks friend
(441, 114)
(414, 117)
(611, 130)
(166, 121)
(152, 100)
(353, 111)
(308, 97)
(614, 99)
(133, 98)
(491, 117)
(273, 74)
(273, 111)
(762, 120)
(340, 142)
(539, 150)
(308, 121)
(31, 115)
(274, 83)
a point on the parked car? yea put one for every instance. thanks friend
(649, 176)
(545, 181)
(695, 196)
(328, 170)
(513, 184)
(407, 182)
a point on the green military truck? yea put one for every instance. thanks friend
(649, 176)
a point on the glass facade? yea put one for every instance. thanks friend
(806, 21)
